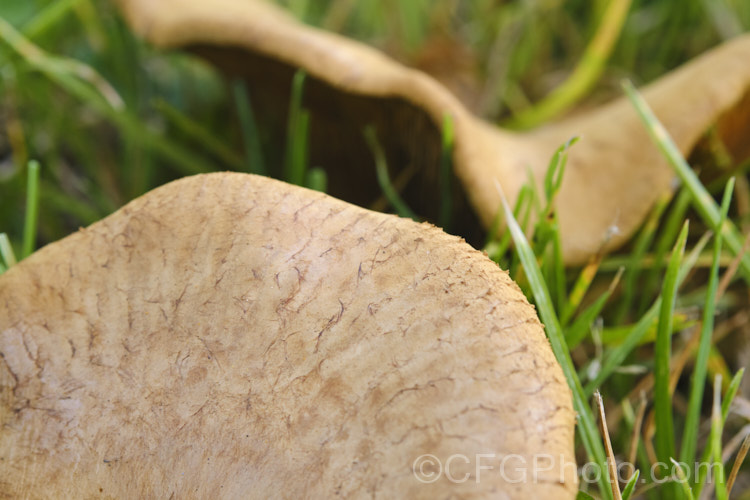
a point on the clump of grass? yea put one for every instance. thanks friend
(537, 282)
(538, 273)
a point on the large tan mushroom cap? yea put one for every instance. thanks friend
(614, 174)
(232, 336)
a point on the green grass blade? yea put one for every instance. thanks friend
(497, 249)
(702, 200)
(682, 479)
(317, 179)
(627, 492)
(6, 252)
(296, 139)
(698, 379)
(522, 200)
(545, 228)
(616, 334)
(617, 355)
(575, 334)
(32, 209)
(300, 155)
(734, 386)
(551, 262)
(665, 447)
(580, 287)
(558, 267)
(580, 327)
(717, 428)
(586, 421)
(381, 169)
(555, 170)
(48, 17)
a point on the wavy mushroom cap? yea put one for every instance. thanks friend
(613, 177)
(228, 335)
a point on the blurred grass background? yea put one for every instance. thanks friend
(109, 118)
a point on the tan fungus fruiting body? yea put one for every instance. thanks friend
(614, 174)
(232, 336)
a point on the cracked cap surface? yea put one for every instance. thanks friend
(232, 335)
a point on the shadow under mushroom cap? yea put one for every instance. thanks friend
(231, 333)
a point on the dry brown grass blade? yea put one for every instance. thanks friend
(232, 335)
(738, 463)
(731, 270)
(611, 460)
(637, 426)
(614, 174)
